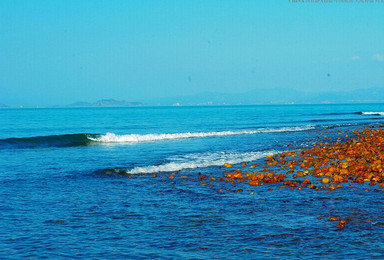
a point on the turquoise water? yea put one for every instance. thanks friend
(78, 183)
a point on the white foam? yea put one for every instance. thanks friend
(201, 160)
(373, 113)
(136, 138)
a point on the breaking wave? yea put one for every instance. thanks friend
(69, 140)
(371, 113)
(136, 138)
(193, 161)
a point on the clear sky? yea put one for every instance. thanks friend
(59, 52)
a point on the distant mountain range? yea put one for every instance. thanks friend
(253, 97)
(275, 96)
(106, 103)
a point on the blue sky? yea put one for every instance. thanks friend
(59, 52)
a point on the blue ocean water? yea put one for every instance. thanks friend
(77, 182)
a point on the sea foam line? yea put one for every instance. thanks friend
(202, 160)
(137, 138)
(373, 113)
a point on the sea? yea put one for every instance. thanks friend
(119, 183)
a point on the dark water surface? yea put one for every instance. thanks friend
(78, 183)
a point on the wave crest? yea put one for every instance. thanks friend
(66, 140)
(136, 138)
(193, 161)
(372, 113)
(69, 140)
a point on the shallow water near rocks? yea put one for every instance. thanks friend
(71, 197)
